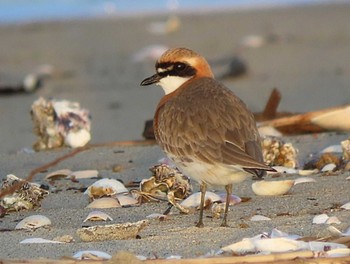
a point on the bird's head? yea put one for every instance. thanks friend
(177, 66)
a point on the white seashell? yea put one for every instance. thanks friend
(38, 240)
(333, 220)
(92, 253)
(98, 216)
(126, 200)
(320, 219)
(347, 178)
(83, 174)
(156, 216)
(283, 169)
(338, 252)
(105, 202)
(269, 131)
(329, 167)
(333, 149)
(275, 233)
(106, 187)
(346, 206)
(141, 257)
(303, 180)
(76, 139)
(33, 222)
(320, 246)
(234, 199)
(174, 257)
(244, 246)
(259, 218)
(58, 174)
(275, 245)
(272, 187)
(307, 172)
(193, 200)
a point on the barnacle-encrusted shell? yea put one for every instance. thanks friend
(278, 153)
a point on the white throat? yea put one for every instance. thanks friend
(171, 83)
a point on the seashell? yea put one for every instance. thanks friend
(346, 206)
(334, 231)
(193, 200)
(307, 172)
(283, 169)
(338, 252)
(333, 149)
(253, 41)
(76, 139)
(242, 247)
(272, 187)
(83, 174)
(111, 232)
(157, 216)
(98, 216)
(91, 254)
(333, 120)
(303, 180)
(58, 174)
(265, 131)
(277, 245)
(329, 167)
(39, 240)
(259, 218)
(64, 239)
(320, 219)
(234, 199)
(105, 187)
(333, 220)
(174, 257)
(320, 246)
(278, 233)
(126, 200)
(33, 222)
(346, 149)
(105, 202)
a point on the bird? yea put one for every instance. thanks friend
(203, 127)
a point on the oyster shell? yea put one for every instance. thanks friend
(33, 222)
(278, 153)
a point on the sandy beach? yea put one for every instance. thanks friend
(305, 58)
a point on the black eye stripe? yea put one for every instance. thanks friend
(175, 69)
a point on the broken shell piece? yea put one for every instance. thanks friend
(272, 187)
(105, 187)
(333, 220)
(92, 254)
(111, 232)
(283, 169)
(58, 174)
(98, 216)
(276, 245)
(307, 172)
(329, 167)
(83, 174)
(303, 180)
(259, 218)
(333, 149)
(320, 219)
(126, 200)
(33, 222)
(64, 239)
(242, 247)
(105, 202)
(346, 149)
(193, 201)
(346, 206)
(38, 240)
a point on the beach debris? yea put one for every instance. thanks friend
(345, 145)
(160, 217)
(278, 153)
(320, 162)
(329, 167)
(33, 222)
(83, 174)
(105, 202)
(333, 149)
(329, 119)
(97, 216)
(58, 123)
(166, 183)
(325, 219)
(171, 25)
(336, 232)
(346, 206)
(105, 188)
(27, 196)
(256, 218)
(126, 200)
(39, 240)
(193, 201)
(111, 232)
(92, 255)
(303, 180)
(268, 188)
(149, 53)
(58, 174)
(64, 239)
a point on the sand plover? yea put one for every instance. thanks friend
(204, 127)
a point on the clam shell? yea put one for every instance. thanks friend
(303, 180)
(91, 254)
(76, 139)
(259, 218)
(126, 200)
(98, 216)
(333, 220)
(58, 174)
(329, 167)
(194, 200)
(272, 187)
(105, 187)
(320, 219)
(307, 172)
(38, 240)
(346, 206)
(83, 174)
(33, 222)
(105, 202)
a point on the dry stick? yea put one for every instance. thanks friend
(32, 174)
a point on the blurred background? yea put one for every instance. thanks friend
(97, 53)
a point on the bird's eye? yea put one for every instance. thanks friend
(180, 66)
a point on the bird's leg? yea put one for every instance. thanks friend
(203, 188)
(228, 194)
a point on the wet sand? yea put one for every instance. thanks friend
(307, 63)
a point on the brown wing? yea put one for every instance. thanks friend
(210, 124)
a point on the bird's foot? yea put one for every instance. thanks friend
(200, 224)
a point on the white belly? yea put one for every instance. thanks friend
(212, 174)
